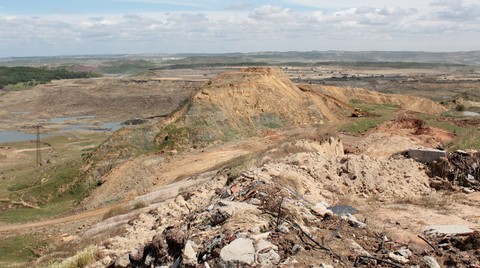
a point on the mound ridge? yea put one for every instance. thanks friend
(406, 102)
(242, 103)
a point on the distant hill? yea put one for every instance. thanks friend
(188, 60)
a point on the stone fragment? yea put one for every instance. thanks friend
(353, 221)
(397, 258)
(239, 250)
(189, 254)
(430, 262)
(255, 201)
(268, 259)
(357, 248)
(264, 244)
(405, 252)
(122, 261)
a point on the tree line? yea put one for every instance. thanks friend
(32, 75)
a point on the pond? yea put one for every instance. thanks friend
(14, 136)
(17, 136)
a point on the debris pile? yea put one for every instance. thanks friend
(455, 249)
(459, 170)
(278, 215)
(261, 223)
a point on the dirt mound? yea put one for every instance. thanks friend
(411, 103)
(395, 136)
(242, 103)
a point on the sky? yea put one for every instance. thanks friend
(88, 27)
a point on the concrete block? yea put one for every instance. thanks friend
(426, 155)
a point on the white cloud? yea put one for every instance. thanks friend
(368, 26)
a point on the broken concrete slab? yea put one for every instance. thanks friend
(240, 250)
(426, 155)
(448, 229)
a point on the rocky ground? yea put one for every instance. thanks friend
(314, 207)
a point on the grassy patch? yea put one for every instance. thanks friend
(80, 259)
(22, 248)
(384, 112)
(465, 137)
(52, 189)
(49, 210)
(172, 137)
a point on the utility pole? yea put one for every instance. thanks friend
(39, 153)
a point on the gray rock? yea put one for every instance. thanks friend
(122, 261)
(324, 265)
(430, 262)
(240, 250)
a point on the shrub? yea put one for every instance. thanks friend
(460, 108)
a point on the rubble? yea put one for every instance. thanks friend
(264, 218)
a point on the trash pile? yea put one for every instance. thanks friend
(457, 248)
(459, 170)
(256, 222)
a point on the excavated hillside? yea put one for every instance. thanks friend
(231, 106)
